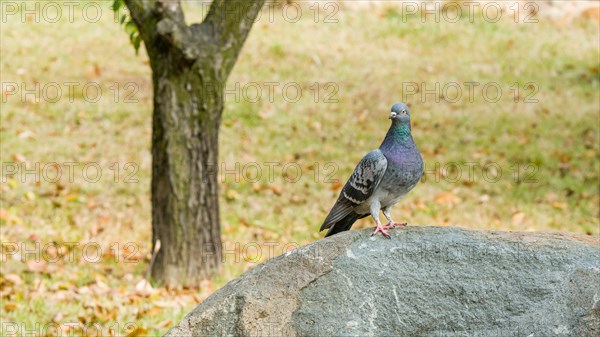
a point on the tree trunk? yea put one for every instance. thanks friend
(190, 65)
(185, 212)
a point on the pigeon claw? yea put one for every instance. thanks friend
(394, 225)
(382, 230)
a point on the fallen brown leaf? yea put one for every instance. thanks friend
(14, 279)
(518, 218)
(10, 307)
(39, 266)
(336, 186)
(446, 198)
(138, 331)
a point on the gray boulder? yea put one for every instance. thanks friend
(425, 281)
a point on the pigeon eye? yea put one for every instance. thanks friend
(404, 111)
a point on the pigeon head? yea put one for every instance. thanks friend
(400, 113)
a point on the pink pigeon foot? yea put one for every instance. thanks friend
(380, 228)
(394, 225)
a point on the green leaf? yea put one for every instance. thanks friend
(130, 28)
(136, 43)
(117, 4)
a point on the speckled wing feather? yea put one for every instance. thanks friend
(365, 178)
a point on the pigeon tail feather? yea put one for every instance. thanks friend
(344, 224)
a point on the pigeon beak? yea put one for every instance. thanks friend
(392, 115)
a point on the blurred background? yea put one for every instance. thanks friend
(505, 110)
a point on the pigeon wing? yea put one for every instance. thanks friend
(360, 187)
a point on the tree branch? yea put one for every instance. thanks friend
(138, 10)
(229, 22)
(170, 9)
(162, 18)
(223, 31)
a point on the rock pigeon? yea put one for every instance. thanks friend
(380, 180)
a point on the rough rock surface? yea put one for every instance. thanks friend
(425, 281)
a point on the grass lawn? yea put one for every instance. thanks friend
(524, 159)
